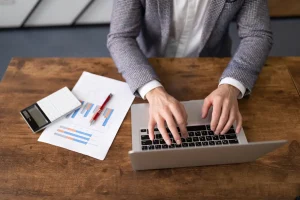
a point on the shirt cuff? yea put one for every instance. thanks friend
(235, 83)
(148, 87)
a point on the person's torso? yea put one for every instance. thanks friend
(201, 29)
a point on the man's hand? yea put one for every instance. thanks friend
(165, 108)
(225, 109)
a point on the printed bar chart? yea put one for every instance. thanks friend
(88, 109)
(73, 134)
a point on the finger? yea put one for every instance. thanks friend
(217, 108)
(151, 125)
(180, 117)
(206, 106)
(230, 121)
(162, 129)
(239, 123)
(182, 127)
(223, 118)
(172, 126)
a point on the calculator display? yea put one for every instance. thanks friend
(37, 116)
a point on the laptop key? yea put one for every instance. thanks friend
(218, 142)
(195, 128)
(178, 145)
(144, 148)
(170, 135)
(151, 147)
(143, 130)
(192, 144)
(210, 133)
(230, 136)
(189, 139)
(165, 146)
(155, 141)
(146, 142)
(204, 133)
(202, 138)
(233, 141)
(157, 146)
(212, 143)
(195, 139)
(155, 129)
(222, 137)
(162, 141)
(191, 134)
(145, 137)
(204, 143)
(185, 145)
(172, 146)
(230, 131)
(198, 133)
(215, 137)
(225, 142)
(208, 138)
(158, 136)
(208, 127)
(182, 140)
(198, 144)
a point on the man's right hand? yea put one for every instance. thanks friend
(165, 108)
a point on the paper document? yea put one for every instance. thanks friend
(74, 132)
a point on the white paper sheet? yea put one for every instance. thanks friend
(74, 132)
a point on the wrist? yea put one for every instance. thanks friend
(155, 92)
(231, 89)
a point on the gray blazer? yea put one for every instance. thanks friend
(140, 29)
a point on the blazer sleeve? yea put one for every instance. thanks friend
(254, 30)
(124, 29)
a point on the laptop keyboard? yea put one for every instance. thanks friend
(199, 136)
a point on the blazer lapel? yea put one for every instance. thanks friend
(213, 13)
(165, 16)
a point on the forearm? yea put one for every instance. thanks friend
(124, 29)
(248, 61)
(131, 62)
(254, 29)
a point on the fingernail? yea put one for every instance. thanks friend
(178, 141)
(168, 142)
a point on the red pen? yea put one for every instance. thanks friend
(97, 114)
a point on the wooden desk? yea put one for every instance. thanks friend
(33, 170)
(287, 8)
(294, 69)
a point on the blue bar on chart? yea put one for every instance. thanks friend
(70, 138)
(96, 108)
(77, 131)
(89, 108)
(83, 109)
(107, 114)
(76, 111)
(72, 134)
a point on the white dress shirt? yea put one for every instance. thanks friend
(185, 37)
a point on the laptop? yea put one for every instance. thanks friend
(201, 148)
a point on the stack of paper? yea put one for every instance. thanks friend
(74, 132)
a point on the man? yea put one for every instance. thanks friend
(189, 28)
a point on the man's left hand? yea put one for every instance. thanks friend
(225, 109)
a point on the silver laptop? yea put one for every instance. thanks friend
(202, 147)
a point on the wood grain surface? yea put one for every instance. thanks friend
(34, 170)
(294, 69)
(287, 8)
